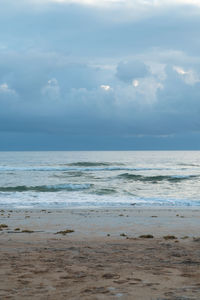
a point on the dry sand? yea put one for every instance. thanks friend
(104, 258)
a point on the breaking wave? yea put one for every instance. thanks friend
(158, 178)
(46, 188)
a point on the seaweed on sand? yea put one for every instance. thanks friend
(146, 236)
(170, 237)
(64, 232)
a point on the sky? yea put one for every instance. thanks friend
(99, 75)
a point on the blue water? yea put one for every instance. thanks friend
(114, 178)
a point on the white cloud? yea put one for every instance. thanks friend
(190, 76)
(84, 2)
(52, 82)
(188, 2)
(4, 89)
(127, 2)
(169, 2)
(105, 87)
(52, 89)
(148, 88)
(136, 83)
(180, 70)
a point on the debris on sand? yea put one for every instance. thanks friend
(123, 234)
(170, 237)
(146, 236)
(185, 237)
(64, 232)
(3, 226)
(27, 231)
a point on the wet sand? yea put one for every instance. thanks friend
(103, 257)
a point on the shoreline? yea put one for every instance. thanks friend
(87, 222)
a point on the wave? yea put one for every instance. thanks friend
(104, 191)
(48, 201)
(188, 165)
(69, 174)
(46, 188)
(89, 164)
(156, 178)
(62, 169)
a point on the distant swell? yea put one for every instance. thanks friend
(188, 165)
(153, 179)
(46, 188)
(89, 164)
(60, 169)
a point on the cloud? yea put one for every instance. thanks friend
(51, 90)
(130, 70)
(4, 89)
(90, 2)
(117, 68)
(105, 87)
(190, 76)
(7, 94)
(135, 83)
(129, 3)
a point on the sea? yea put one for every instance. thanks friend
(82, 179)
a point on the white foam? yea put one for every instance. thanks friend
(63, 200)
(69, 186)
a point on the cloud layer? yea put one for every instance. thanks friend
(119, 71)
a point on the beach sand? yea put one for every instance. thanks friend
(103, 257)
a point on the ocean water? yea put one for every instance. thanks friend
(99, 179)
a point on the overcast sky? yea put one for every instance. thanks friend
(91, 74)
